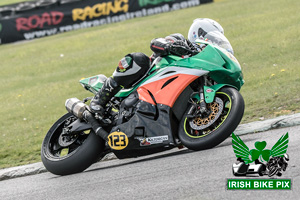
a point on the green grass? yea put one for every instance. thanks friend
(36, 80)
(7, 2)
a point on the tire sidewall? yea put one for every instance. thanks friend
(223, 131)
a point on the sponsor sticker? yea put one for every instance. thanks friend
(152, 140)
(125, 63)
(117, 140)
(209, 90)
(93, 80)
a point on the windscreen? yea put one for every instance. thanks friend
(219, 39)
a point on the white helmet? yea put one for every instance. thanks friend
(210, 30)
(201, 27)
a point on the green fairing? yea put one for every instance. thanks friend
(223, 69)
(222, 66)
(165, 62)
(86, 84)
(210, 92)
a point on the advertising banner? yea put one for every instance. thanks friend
(51, 20)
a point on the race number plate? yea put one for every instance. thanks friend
(117, 140)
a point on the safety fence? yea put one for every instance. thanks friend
(36, 19)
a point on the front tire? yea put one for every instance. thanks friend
(225, 115)
(64, 154)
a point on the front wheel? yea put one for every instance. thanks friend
(65, 153)
(206, 131)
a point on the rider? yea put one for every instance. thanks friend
(133, 67)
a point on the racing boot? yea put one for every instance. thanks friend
(108, 90)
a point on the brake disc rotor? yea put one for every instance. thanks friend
(66, 140)
(216, 108)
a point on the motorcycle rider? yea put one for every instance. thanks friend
(133, 67)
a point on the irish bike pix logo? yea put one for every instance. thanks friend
(261, 161)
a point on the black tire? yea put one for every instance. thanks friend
(272, 171)
(284, 166)
(86, 148)
(219, 130)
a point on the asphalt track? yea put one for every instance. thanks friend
(174, 174)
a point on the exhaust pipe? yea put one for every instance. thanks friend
(76, 107)
(95, 125)
(80, 110)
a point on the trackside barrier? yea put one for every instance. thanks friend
(36, 19)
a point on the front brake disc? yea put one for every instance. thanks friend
(215, 108)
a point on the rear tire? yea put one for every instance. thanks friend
(222, 126)
(81, 151)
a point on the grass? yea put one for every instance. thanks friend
(7, 2)
(38, 76)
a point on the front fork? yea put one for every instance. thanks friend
(203, 107)
(200, 106)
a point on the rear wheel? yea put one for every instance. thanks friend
(65, 153)
(206, 131)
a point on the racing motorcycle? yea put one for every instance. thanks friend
(192, 101)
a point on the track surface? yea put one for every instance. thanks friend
(174, 174)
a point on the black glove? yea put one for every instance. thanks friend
(194, 46)
(180, 48)
(160, 46)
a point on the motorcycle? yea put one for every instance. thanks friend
(192, 101)
(277, 165)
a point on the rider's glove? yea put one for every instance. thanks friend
(160, 46)
(180, 48)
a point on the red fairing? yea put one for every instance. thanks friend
(168, 94)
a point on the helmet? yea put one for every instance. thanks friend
(286, 157)
(201, 27)
(212, 31)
